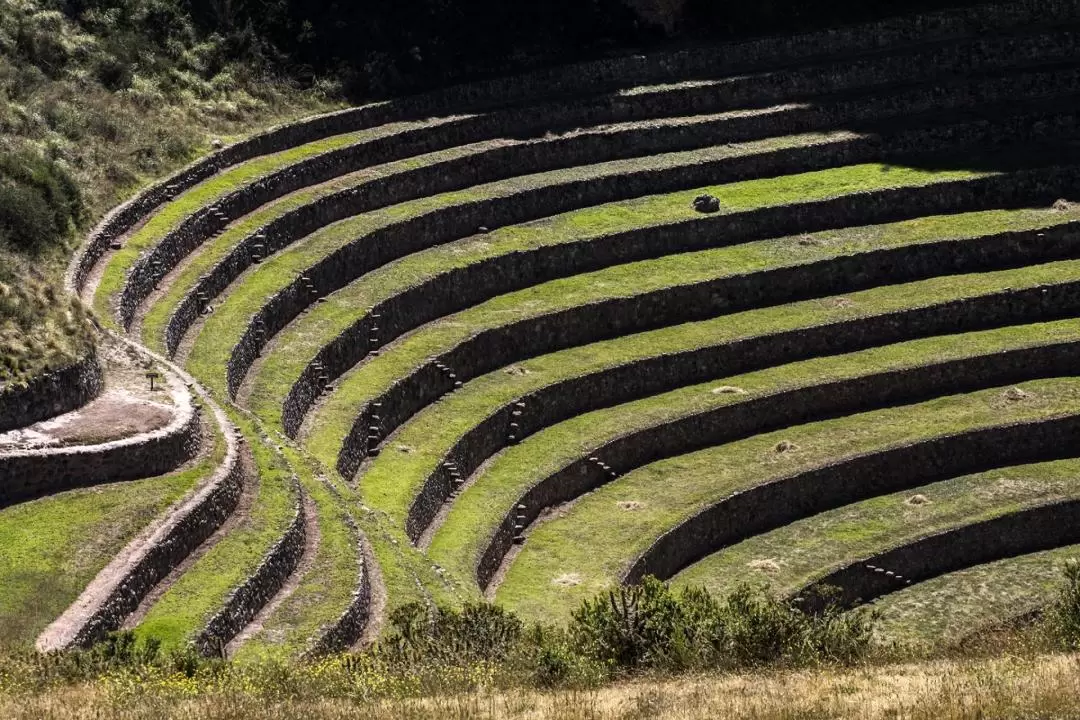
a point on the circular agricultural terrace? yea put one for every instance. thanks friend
(798, 310)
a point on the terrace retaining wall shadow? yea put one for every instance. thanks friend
(244, 603)
(396, 240)
(596, 76)
(1033, 529)
(549, 153)
(30, 474)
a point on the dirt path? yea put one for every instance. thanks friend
(126, 409)
(93, 278)
(312, 539)
(162, 288)
(377, 605)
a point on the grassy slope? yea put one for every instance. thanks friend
(170, 215)
(324, 241)
(41, 328)
(111, 140)
(792, 556)
(583, 549)
(210, 253)
(325, 592)
(308, 334)
(478, 511)
(54, 546)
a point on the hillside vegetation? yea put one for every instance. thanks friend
(97, 99)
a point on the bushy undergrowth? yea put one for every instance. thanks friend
(41, 327)
(1061, 621)
(96, 99)
(429, 650)
(653, 626)
(40, 202)
(116, 93)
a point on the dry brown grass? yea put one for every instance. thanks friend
(1045, 686)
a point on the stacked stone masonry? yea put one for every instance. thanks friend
(347, 630)
(51, 393)
(561, 400)
(460, 288)
(169, 548)
(658, 374)
(245, 601)
(497, 347)
(1031, 530)
(977, 55)
(26, 475)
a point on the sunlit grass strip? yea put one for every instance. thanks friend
(583, 550)
(952, 606)
(172, 214)
(393, 479)
(54, 547)
(332, 422)
(200, 592)
(310, 332)
(792, 556)
(472, 520)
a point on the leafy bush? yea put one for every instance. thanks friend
(1062, 618)
(478, 631)
(653, 626)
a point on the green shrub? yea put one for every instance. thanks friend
(652, 626)
(1062, 618)
(478, 631)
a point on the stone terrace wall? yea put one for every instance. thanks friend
(246, 601)
(787, 85)
(1033, 529)
(497, 347)
(653, 375)
(788, 499)
(594, 77)
(547, 153)
(25, 475)
(760, 414)
(51, 393)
